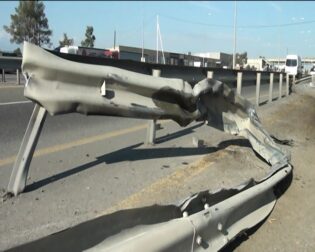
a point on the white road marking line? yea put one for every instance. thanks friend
(11, 86)
(13, 103)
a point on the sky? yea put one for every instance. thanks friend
(264, 28)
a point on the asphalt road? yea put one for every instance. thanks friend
(84, 165)
(15, 111)
(11, 79)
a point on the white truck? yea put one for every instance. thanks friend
(293, 65)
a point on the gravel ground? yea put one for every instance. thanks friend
(291, 225)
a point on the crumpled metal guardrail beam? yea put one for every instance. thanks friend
(62, 86)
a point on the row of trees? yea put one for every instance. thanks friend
(87, 42)
(29, 23)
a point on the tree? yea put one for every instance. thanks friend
(89, 37)
(29, 23)
(17, 52)
(66, 41)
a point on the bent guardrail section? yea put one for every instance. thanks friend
(61, 86)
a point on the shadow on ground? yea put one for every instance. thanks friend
(131, 153)
(90, 233)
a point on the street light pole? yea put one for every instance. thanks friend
(157, 39)
(234, 47)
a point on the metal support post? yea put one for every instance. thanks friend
(18, 79)
(258, 88)
(210, 74)
(280, 85)
(287, 85)
(271, 87)
(3, 75)
(151, 132)
(239, 83)
(21, 166)
(313, 80)
(152, 123)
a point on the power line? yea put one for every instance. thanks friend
(194, 22)
(134, 32)
(240, 26)
(279, 25)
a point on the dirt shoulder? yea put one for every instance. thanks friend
(291, 225)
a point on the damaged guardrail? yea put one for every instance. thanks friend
(210, 219)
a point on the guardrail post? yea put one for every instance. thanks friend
(18, 79)
(280, 85)
(239, 83)
(3, 75)
(313, 80)
(210, 74)
(23, 160)
(270, 87)
(258, 88)
(152, 123)
(287, 85)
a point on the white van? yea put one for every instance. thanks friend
(69, 49)
(293, 65)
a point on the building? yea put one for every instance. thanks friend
(221, 59)
(150, 56)
(87, 51)
(170, 58)
(257, 64)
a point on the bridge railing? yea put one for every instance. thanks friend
(10, 64)
(187, 73)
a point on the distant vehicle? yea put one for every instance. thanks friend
(293, 65)
(69, 49)
(88, 51)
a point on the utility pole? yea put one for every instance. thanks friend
(234, 47)
(142, 52)
(161, 42)
(114, 39)
(157, 39)
(158, 34)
